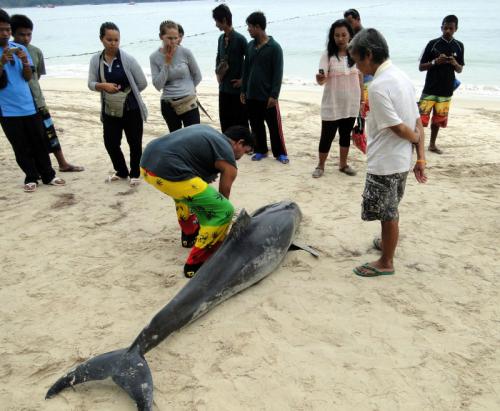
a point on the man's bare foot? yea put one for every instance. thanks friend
(70, 168)
(373, 269)
(436, 150)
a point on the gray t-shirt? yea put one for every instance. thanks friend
(39, 69)
(187, 153)
(178, 79)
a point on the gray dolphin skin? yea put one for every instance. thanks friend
(254, 248)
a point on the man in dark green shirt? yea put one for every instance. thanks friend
(262, 76)
(231, 51)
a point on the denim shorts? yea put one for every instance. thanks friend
(382, 196)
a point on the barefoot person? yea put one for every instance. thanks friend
(181, 165)
(22, 31)
(120, 80)
(441, 59)
(342, 92)
(19, 118)
(393, 125)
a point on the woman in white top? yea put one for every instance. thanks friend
(341, 96)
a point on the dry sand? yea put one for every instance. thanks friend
(84, 267)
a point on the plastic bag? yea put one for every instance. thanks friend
(358, 135)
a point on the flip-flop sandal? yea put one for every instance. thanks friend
(30, 187)
(318, 172)
(113, 177)
(366, 270)
(135, 182)
(348, 170)
(72, 169)
(56, 181)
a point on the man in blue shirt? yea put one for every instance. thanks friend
(20, 121)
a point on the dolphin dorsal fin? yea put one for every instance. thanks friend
(239, 226)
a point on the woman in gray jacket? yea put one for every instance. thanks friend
(176, 73)
(119, 79)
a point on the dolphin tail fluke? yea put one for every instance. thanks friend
(127, 368)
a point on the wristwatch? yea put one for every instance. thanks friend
(433, 62)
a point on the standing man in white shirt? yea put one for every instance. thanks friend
(393, 125)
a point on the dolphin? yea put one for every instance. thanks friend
(254, 248)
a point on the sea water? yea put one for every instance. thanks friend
(69, 35)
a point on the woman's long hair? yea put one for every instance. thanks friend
(331, 47)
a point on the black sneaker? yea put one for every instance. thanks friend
(188, 241)
(191, 269)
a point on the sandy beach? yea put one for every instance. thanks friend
(84, 267)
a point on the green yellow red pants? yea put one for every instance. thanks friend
(198, 206)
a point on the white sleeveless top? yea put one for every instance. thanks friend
(342, 93)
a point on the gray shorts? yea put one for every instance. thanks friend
(382, 196)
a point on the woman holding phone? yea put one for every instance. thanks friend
(341, 101)
(120, 80)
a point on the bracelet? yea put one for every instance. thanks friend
(422, 161)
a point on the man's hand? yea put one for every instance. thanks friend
(236, 83)
(419, 171)
(243, 99)
(271, 102)
(22, 56)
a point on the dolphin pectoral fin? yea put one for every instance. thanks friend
(127, 368)
(297, 245)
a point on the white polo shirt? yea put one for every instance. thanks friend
(392, 102)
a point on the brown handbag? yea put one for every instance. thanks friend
(184, 104)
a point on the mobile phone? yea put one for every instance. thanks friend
(321, 71)
(13, 50)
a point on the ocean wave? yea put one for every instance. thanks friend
(81, 71)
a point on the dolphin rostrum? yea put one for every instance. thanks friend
(254, 248)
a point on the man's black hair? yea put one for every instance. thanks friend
(257, 18)
(237, 133)
(4, 17)
(107, 26)
(180, 29)
(222, 12)
(353, 13)
(450, 19)
(20, 21)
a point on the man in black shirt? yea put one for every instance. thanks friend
(231, 51)
(442, 57)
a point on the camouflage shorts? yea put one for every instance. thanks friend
(382, 196)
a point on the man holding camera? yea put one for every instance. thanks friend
(442, 57)
(20, 121)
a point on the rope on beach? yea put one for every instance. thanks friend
(204, 33)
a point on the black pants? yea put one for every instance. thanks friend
(231, 111)
(113, 127)
(27, 138)
(50, 133)
(258, 113)
(175, 121)
(329, 129)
